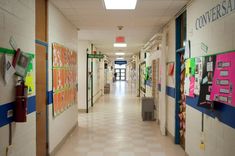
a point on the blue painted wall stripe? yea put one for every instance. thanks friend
(41, 43)
(31, 107)
(49, 97)
(170, 91)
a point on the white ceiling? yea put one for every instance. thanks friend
(99, 25)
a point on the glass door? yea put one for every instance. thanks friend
(120, 74)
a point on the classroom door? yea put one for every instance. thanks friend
(41, 57)
(155, 90)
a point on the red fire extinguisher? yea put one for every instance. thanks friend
(20, 111)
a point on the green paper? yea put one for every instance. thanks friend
(192, 66)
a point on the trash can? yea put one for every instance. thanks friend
(148, 108)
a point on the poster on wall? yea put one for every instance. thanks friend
(189, 82)
(198, 74)
(206, 82)
(224, 79)
(148, 76)
(64, 78)
(142, 76)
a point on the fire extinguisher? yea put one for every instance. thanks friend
(20, 111)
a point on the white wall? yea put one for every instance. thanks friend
(169, 30)
(61, 31)
(219, 36)
(82, 81)
(17, 19)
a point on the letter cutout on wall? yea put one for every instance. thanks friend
(64, 78)
(223, 89)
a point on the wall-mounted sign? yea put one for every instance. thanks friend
(98, 56)
(216, 12)
(120, 62)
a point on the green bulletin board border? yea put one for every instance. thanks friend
(12, 52)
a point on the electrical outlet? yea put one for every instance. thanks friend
(10, 113)
(9, 150)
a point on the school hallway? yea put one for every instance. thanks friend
(117, 77)
(114, 127)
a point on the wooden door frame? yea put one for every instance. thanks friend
(41, 27)
(179, 51)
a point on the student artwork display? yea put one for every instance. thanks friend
(189, 82)
(148, 76)
(206, 82)
(222, 90)
(142, 76)
(198, 74)
(64, 78)
(170, 68)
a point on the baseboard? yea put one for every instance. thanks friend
(170, 135)
(81, 110)
(57, 148)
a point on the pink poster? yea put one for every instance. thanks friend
(224, 79)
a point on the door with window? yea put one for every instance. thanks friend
(120, 74)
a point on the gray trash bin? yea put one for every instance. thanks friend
(148, 108)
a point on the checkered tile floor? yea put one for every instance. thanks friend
(114, 128)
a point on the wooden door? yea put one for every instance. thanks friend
(41, 89)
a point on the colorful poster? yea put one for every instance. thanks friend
(198, 74)
(224, 79)
(189, 82)
(206, 82)
(64, 78)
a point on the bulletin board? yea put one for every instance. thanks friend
(224, 81)
(142, 76)
(64, 78)
(148, 76)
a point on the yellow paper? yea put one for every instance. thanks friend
(29, 83)
(187, 67)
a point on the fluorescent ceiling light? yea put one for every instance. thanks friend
(120, 4)
(119, 53)
(120, 45)
(120, 58)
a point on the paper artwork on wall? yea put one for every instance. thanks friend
(171, 67)
(189, 82)
(223, 83)
(198, 74)
(206, 82)
(148, 76)
(9, 70)
(64, 78)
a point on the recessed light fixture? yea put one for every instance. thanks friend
(119, 54)
(120, 58)
(120, 45)
(120, 4)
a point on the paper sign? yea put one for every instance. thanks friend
(9, 70)
(206, 84)
(191, 87)
(224, 81)
(198, 74)
(224, 73)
